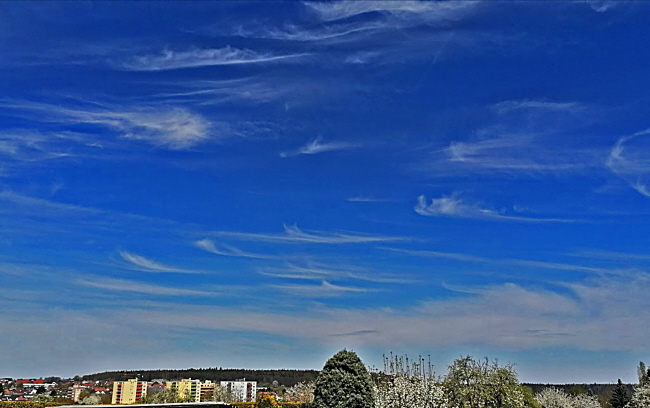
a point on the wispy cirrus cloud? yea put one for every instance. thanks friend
(324, 290)
(539, 105)
(611, 255)
(513, 153)
(455, 207)
(228, 250)
(368, 200)
(522, 137)
(601, 6)
(629, 159)
(526, 263)
(330, 11)
(24, 204)
(293, 234)
(317, 146)
(169, 60)
(292, 32)
(319, 272)
(174, 128)
(147, 265)
(124, 285)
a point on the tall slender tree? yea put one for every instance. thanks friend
(620, 396)
(643, 373)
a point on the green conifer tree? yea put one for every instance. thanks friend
(344, 382)
(620, 396)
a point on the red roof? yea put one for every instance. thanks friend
(39, 381)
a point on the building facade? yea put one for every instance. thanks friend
(129, 392)
(241, 390)
(207, 390)
(187, 389)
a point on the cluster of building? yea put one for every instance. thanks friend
(134, 391)
(125, 392)
(24, 389)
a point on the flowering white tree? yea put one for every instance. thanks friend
(479, 384)
(221, 394)
(301, 392)
(586, 401)
(92, 399)
(402, 391)
(554, 398)
(641, 397)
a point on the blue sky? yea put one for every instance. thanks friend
(259, 184)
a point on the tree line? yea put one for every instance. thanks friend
(263, 377)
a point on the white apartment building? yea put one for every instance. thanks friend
(241, 390)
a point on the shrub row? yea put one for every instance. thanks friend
(281, 404)
(30, 404)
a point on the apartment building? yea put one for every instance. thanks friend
(241, 390)
(186, 388)
(129, 392)
(207, 390)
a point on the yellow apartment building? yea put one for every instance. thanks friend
(187, 388)
(129, 392)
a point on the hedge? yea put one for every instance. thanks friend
(30, 404)
(254, 404)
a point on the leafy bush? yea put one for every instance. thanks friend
(267, 402)
(30, 404)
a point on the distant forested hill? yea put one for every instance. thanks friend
(596, 389)
(292, 377)
(602, 391)
(263, 377)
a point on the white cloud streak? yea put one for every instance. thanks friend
(368, 200)
(514, 154)
(147, 265)
(628, 159)
(324, 290)
(317, 146)
(526, 263)
(170, 127)
(523, 137)
(611, 255)
(539, 105)
(123, 285)
(293, 234)
(455, 207)
(228, 250)
(331, 11)
(169, 60)
(322, 272)
(332, 29)
(290, 32)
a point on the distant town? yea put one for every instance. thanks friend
(131, 391)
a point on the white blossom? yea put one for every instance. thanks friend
(409, 392)
(641, 397)
(554, 398)
(301, 392)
